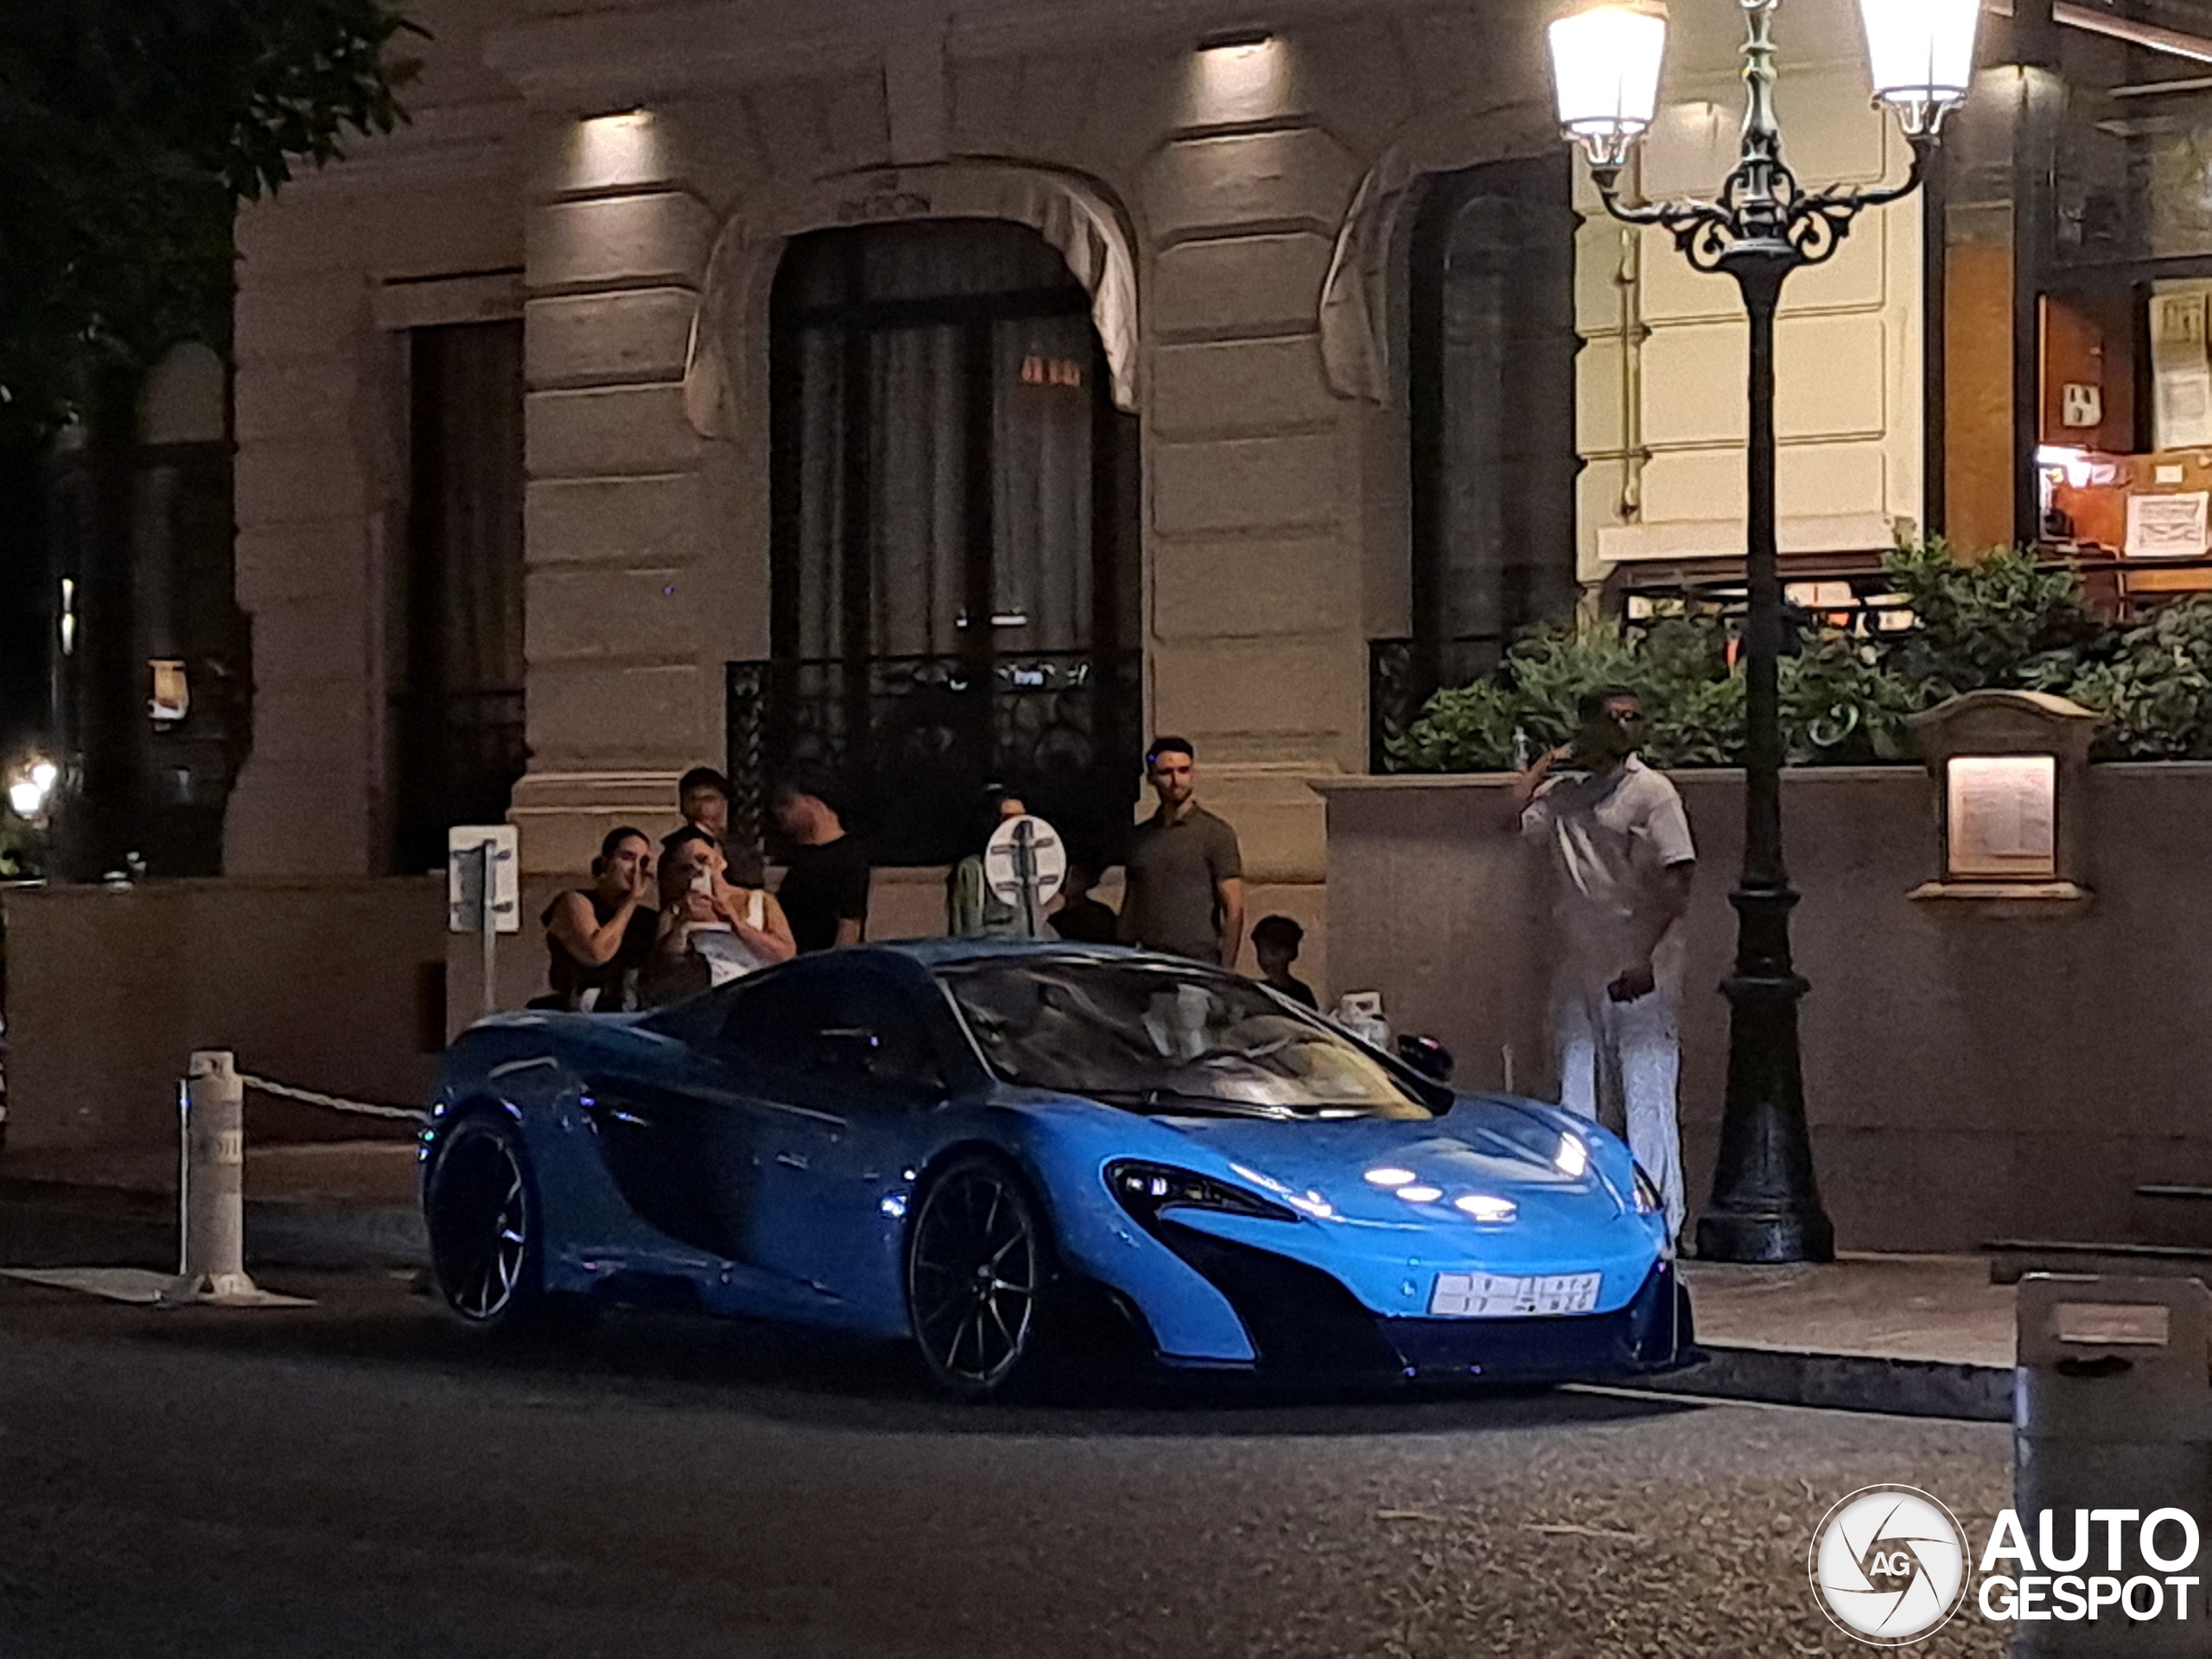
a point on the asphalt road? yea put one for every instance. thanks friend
(362, 1478)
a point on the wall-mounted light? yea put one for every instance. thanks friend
(1247, 40)
(618, 146)
(69, 616)
(172, 692)
(1237, 76)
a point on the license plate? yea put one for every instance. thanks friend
(1501, 1296)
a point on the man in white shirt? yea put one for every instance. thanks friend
(1619, 846)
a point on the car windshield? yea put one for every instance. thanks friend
(1169, 1040)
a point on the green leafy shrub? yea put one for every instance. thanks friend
(1841, 704)
(1999, 621)
(2156, 691)
(20, 846)
(1678, 666)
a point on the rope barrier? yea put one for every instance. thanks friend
(333, 1103)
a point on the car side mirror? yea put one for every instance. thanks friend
(1427, 1056)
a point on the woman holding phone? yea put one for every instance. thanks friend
(711, 931)
(599, 937)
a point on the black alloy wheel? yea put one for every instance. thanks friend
(979, 1262)
(482, 1217)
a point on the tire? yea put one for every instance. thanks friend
(487, 1229)
(981, 1278)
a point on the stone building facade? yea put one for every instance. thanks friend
(1233, 185)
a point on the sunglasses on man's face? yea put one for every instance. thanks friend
(1626, 716)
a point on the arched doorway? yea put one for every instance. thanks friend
(954, 564)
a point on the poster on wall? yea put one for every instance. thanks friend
(2181, 371)
(2003, 816)
(2167, 526)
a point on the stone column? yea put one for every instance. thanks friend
(1255, 598)
(621, 698)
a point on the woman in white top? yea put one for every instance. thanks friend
(711, 931)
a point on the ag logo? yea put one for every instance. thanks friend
(1889, 1565)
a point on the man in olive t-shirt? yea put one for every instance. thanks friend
(1185, 875)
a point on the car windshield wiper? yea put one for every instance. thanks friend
(1157, 1099)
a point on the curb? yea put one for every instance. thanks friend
(1901, 1388)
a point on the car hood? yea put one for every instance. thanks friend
(1482, 1147)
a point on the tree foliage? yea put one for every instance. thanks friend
(130, 129)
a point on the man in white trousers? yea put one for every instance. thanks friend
(1619, 845)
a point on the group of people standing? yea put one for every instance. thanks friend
(657, 924)
(1183, 887)
(651, 929)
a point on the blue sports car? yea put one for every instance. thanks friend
(1002, 1150)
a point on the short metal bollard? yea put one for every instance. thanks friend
(2113, 1422)
(212, 1184)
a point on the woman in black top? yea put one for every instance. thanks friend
(600, 937)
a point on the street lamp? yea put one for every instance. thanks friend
(1761, 226)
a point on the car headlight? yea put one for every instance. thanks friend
(1649, 1201)
(1146, 1189)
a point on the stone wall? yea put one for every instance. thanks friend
(336, 986)
(1971, 1074)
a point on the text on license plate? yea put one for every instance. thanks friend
(1496, 1296)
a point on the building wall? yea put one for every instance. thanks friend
(332, 985)
(1971, 1073)
(1662, 398)
(625, 175)
(641, 165)
(424, 227)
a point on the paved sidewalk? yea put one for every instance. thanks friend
(1921, 1336)
(1938, 1308)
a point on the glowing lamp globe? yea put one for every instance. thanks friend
(1605, 64)
(1922, 54)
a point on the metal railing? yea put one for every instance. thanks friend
(913, 742)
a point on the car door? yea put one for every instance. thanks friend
(850, 1076)
(677, 1146)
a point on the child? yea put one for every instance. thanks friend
(1083, 919)
(1275, 942)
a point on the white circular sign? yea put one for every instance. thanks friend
(1024, 846)
(1889, 1565)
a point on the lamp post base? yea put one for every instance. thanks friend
(1776, 1237)
(1766, 1205)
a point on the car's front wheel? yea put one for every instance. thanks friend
(980, 1267)
(480, 1208)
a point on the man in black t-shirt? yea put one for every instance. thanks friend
(824, 892)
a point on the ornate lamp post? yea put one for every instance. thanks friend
(1761, 226)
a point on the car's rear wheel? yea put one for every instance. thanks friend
(481, 1210)
(980, 1268)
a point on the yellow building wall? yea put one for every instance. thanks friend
(1661, 398)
